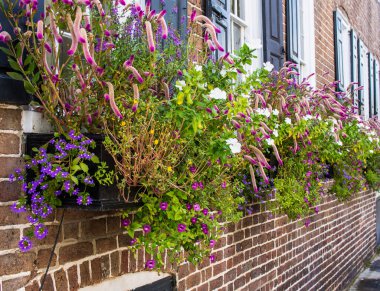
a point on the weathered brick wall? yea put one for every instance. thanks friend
(364, 17)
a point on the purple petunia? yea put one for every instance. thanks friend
(40, 231)
(188, 206)
(212, 258)
(126, 222)
(133, 241)
(212, 243)
(164, 206)
(193, 220)
(25, 244)
(205, 211)
(181, 227)
(147, 228)
(197, 207)
(150, 264)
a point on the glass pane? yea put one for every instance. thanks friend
(237, 36)
(232, 6)
(238, 8)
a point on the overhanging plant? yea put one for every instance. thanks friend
(180, 123)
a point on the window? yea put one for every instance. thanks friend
(238, 24)
(300, 36)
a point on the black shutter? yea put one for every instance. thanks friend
(354, 63)
(176, 14)
(338, 50)
(376, 86)
(293, 31)
(361, 73)
(219, 12)
(12, 91)
(371, 108)
(273, 43)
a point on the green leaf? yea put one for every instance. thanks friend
(84, 167)
(95, 159)
(6, 51)
(14, 65)
(75, 180)
(29, 87)
(15, 76)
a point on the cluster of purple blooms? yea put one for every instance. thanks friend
(50, 172)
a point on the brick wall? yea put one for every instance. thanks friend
(364, 17)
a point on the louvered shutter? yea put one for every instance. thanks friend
(12, 91)
(361, 56)
(371, 108)
(376, 87)
(354, 63)
(273, 42)
(176, 15)
(293, 31)
(219, 12)
(338, 50)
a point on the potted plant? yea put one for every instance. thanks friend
(179, 124)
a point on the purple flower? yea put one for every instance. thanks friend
(212, 258)
(188, 206)
(197, 207)
(193, 220)
(224, 185)
(147, 228)
(11, 178)
(40, 231)
(194, 186)
(316, 209)
(87, 200)
(150, 264)
(307, 222)
(88, 180)
(32, 219)
(193, 169)
(126, 222)
(133, 241)
(25, 244)
(212, 243)
(17, 208)
(164, 205)
(205, 211)
(181, 227)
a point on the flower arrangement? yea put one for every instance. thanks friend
(179, 123)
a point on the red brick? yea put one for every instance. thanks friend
(32, 286)
(74, 252)
(115, 263)
(85, 278)
(61, 280)
(9, 239)
(105, 244)
(193, 280)
(93, 228)
(16, 263)
(9, 191)
(71, 230)
(124, 264)
(48, 284)
(9, 143)
(72, 274)
(8, 165)
(15, 284)
(100, 268)
(10, 119)
(43, 257)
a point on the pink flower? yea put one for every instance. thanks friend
(149, 33)
(5, 36)
(150, 264)
(76, 26)
(164, 28)
(212, 259)
(74, 40)
(54, 29)
(196, 207)
(40, 30)
(147, 228)
(111, 98)
(212, 243)
(134, 72)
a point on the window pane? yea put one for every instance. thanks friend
(237, 36)
(233, 6)
(238, 9)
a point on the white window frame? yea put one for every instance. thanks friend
(240, 21)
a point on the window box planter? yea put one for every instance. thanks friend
(104, 197)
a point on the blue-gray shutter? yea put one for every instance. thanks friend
(376, 87)
(354, 63)
(371, 108)
(361, 58)
(12, 91)
(219, 12)
(338, 50)
(176, 14)
(293, 31)
(273, 40)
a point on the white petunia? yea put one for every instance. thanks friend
(218, 94)
(288, 120)
(234, 145)
(198, 68)
(371, 151)
(339, 143)
(275, 112)
(275, 133)
(270, 141)
(180, 84)
(223, 72)
(263, 111)
(268, 66)
(370, 139)
(307, 117)
(246, 96)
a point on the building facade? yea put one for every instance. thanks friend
(336, 39)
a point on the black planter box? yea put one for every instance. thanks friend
(104, 197)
